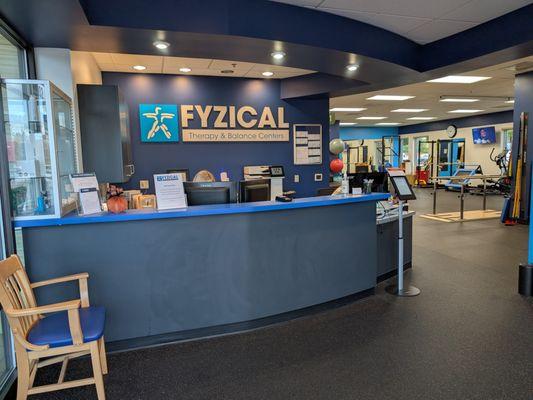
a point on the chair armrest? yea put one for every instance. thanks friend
(81, 278)
(75, 277)
(50, 308)
(71, 307)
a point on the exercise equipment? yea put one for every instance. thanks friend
(502, 185)
(455, 184)
(357, 159)
(336, 165)
(388, 152)
(336, 146)
(460, 216)
(517, 211)
(424, 168)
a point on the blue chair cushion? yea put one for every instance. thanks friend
(53, 330)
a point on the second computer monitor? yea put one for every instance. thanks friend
(202, 193)
(255, 190)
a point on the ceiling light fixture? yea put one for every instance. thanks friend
(278, 55)
(161, 45)
(267, 73)
(388, 123)
(421, 118)
(139, 67)
(372, 118)
(389, 97)
(185, 69)
(347, 109)
(459, 79)
(352, 67)
(510, 101)
(410, 110)
(347, 123)
(445, 99)
(464, 111)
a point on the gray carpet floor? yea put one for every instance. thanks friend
(469, 335)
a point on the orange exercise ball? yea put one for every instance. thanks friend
(336, 165)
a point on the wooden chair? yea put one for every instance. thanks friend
(56, 332)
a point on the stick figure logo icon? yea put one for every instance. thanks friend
(159, 122)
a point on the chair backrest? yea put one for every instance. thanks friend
(16, 293)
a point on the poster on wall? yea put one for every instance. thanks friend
(307, 142)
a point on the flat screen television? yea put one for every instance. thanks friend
(485, 135)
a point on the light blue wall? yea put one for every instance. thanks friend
(371, 133)
(356, 132)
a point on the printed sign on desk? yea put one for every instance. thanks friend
(169, 191)
(159, 123)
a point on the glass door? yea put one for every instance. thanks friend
(7, 247)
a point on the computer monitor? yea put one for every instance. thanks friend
(202, 193)
(379, 180)
(255, 190)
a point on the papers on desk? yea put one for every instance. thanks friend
(86, 186)
(83, 181)
(169, 191)
(89, 201)
(307, 141)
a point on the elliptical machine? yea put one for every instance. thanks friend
(503, 184)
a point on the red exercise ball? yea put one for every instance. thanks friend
(336, 165)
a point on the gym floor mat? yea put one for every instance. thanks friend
(474, 215)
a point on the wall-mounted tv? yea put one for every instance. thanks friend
(485, 135)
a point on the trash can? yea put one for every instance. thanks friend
(525, 280)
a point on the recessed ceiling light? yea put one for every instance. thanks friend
(161, 45)
(410, 110)
(347, 109)
(388, 123)
(278, 55)
(421, 118)
(389, 97)
(510, 101)
(267, 73)
(457, 100)
(347, 123)
(464, 111)
(352, 67)
(139, 67)
(459, 79)
(185, 69)
(372, 118)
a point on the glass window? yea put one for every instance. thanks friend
(405, 149)
(12, 60)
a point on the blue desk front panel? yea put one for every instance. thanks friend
(165, 275)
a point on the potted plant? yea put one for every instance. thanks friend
(116, 202)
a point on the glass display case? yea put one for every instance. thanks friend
(41, 145)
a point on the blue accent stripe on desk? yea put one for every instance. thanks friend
(196, 211)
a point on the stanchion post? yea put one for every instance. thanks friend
(462, 197)
(484, 194)
(525, 271)
(435, 196)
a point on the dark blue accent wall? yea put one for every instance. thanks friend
(464, 122)
(151, 158)
(523, 103)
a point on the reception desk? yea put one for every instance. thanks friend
(208, 269)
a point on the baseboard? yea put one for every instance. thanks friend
(394, 272)
(201, 333)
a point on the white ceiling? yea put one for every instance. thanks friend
(427, 96)
(423, 21)
(116, 62)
